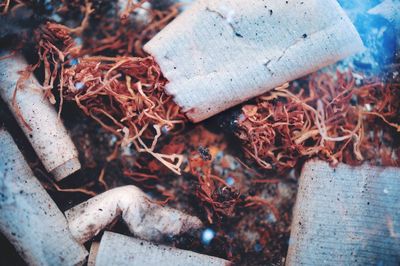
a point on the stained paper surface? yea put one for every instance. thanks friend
(116, 249)
(144, 218)
(29, 218)
(218, 54)
(346, 216)
(46, 132)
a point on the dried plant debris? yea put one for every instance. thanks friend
(338, 118)
(247, 214)
(126, 96)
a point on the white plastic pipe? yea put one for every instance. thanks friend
(217, 54)
(143, 217)
(346, 216)
(116, 249)
(38, 119)
(29, 218)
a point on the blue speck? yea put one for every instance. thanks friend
(73, 62)
(230, 181)
(48, 7)
(219, 156)
(258, 247)
(271, 218)
(56, 18)
(207, 236)
(165, 129)
(79, 85)
(78, 41)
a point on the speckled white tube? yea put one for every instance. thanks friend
(94, 250)
(217, 54)
(143, 217)
(116, 249)
(29, 218)
(346, 216)
(47, 134)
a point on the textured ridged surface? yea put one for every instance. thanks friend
(116, 249)
(218, 54)
(346, 216)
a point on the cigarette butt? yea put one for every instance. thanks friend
(143, 217)
(94, 249)
(116, 249)
(29, 218)
(218, 54)
(346, 216)
(38, 119)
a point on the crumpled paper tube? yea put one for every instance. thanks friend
(29, 218)
(218, 54)
(47, 134)
(143, 217)
(116, 249)
(346, 216)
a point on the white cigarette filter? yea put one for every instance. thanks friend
(116, 249)
(218, 54)
(346, 216)
(29, 218)
(38, 119)
(144, 218)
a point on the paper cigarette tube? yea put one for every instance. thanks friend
(94, 249)
(143, 217)
(116, 249)
(47, 134)
(29, 218)
(218, 54)
(346, 216)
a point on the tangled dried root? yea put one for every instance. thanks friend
(333, 118)
(125, 95)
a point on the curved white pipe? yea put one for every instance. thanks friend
(143, 217)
